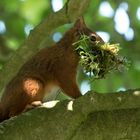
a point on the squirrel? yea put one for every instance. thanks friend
(54, 66)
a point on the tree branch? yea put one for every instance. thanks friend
(112, 116)
(71, 11)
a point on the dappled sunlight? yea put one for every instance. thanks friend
(57, 5)
(124, 5)
(129, 34)
(104, 35)
(57, 36)
(121, 89)
(119, 98)
(50, 104)
(92, 99)
(136, 93)
(28, 28)
(138, 13)
(85, 87)
(89, 73)
(106, 10)
(2, 27)
(122, 21)
(70, 105)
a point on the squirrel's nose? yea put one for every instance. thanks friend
(100, 40)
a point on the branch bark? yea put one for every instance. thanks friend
(71, 11)
(95, 116)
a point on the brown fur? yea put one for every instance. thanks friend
(52, 66)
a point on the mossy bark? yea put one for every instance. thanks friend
(114, 116)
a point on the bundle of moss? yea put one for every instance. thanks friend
(98, 60)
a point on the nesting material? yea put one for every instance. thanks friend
(98, 60)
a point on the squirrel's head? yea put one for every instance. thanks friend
(81, 29)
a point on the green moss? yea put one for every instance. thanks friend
(97, 59)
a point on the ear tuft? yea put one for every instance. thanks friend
(80, 23)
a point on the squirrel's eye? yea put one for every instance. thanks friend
(93, 38)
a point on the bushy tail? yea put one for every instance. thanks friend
(2, 116)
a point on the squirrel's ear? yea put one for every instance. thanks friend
(80, 23)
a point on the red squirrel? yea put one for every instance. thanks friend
(52, 66)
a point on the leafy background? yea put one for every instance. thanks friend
(115, 21)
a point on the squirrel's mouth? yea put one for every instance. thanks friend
(98, 58)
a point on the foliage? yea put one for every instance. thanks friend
(98, 59)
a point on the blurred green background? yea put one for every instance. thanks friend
(116, 21)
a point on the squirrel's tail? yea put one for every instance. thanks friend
(1, 113)
(2, 116)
